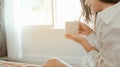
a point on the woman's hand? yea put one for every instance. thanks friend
(82, 40)
(78, 38)
(84, 29)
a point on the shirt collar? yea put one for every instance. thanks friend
(108, 14)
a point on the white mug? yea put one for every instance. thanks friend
(72, 27)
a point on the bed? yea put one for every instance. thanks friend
(53, 62)
(16, 64)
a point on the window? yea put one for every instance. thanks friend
(47, 12)
(33, 12)
(66, 10)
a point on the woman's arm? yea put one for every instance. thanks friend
(84, 31)
(81, 39)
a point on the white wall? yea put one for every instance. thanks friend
(38, 42)
(42, 42)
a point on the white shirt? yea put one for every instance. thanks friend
(106, 39)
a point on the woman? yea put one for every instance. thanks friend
(102, 43)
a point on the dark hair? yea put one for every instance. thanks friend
(87, 13)
(110, 1)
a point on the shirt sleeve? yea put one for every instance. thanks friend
(92, 38)
(93, 56)
(94, 59)
(109, 53)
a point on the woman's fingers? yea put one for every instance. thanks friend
(69, 36)
(84, 29)
(84, 26)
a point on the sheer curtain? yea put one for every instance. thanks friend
(13, 32)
